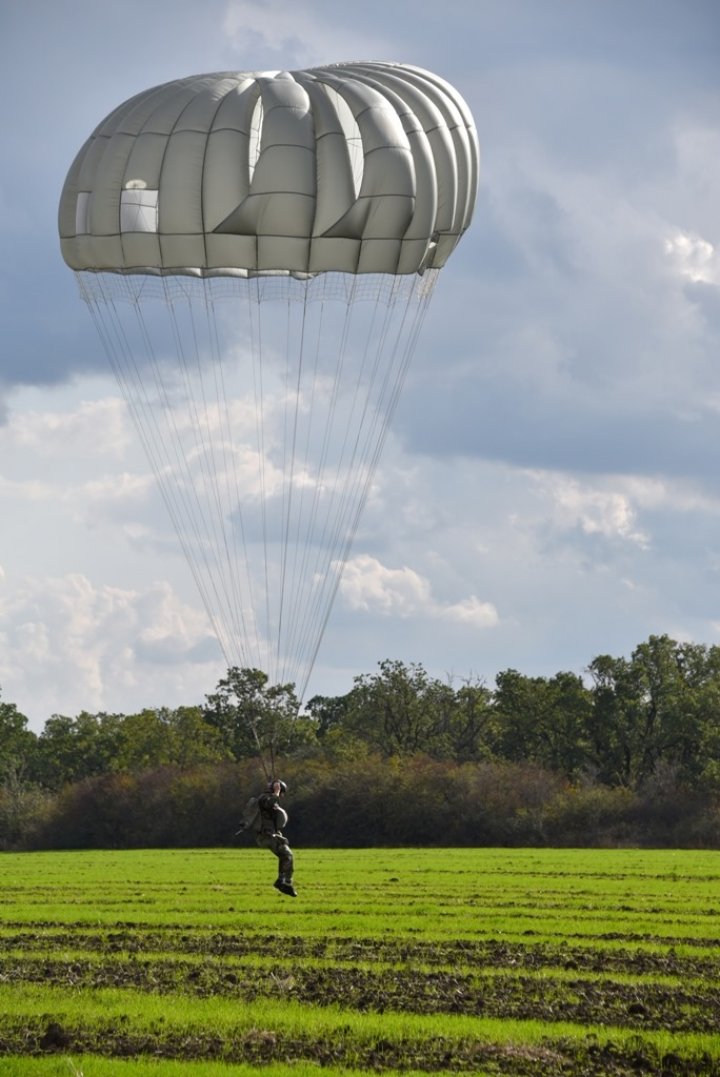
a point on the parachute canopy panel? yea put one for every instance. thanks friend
(352, 167)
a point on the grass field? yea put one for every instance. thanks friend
(497, 961)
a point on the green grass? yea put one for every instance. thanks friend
(530, 934)
(94, 1066)
(182, 1013)
(439, 893)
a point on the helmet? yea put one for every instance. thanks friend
(283, 786)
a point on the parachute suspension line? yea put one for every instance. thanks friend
(297, 544)
(307, 602)
(304, 544)
(198, 538)
(289, 466)
(256, 348)
(341, 526)
(233, 506)
(113, 334)
(272, 758)
(403, 347)
(420, 297)
(328, 373)
(214, 415)
(369, 411)
(207, 527)
(261, 754)
(117, 349)
(333, 488)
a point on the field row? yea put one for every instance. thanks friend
(701, 961)
(389, 961)
(112, 1023)
(692, 1006)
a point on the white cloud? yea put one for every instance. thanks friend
(674, 496)
(298, 34)
(611, 505)
(93, 427)
(28, 490)
(471, 611)
(369, 586)
(68, 645)
(88, 499)
(593, 509)
(695, 258)
(111, 489)
(599, 324)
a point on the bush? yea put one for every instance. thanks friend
(592, 815)
(370, 801)
(21, 813)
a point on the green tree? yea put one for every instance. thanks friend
(543, 720)
(194, 741)
(473, 729)
(254, 717)
(656, 708)
(160, 736)
(18, 744)
(328, 712)
(401, 710)
(565, 745)
(20, 797)
(70, 749)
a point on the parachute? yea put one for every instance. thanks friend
(258, 251)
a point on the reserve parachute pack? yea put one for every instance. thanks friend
(250, 819)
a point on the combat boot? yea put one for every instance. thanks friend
(285, 887)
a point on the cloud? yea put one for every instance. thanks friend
(470, 611)
(595, 511)
(68, 645)
(70, 459)
(298, 34)
(554, 454)
(695, 258)
(597, 335)
(369, 586)
(97, 427)
(29, 490)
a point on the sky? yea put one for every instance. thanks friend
(550, 488)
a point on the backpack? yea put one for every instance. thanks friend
(250, 819)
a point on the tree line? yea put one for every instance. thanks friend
(628, 753)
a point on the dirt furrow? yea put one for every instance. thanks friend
(584, 1001)
(563, 1058)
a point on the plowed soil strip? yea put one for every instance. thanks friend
(461, 954)
(38, 1036)
(641, 1006)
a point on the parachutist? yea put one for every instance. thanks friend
(264, 816)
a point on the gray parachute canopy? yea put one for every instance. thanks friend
(353, 167)
(258, 252)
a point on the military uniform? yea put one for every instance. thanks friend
(270, 836)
